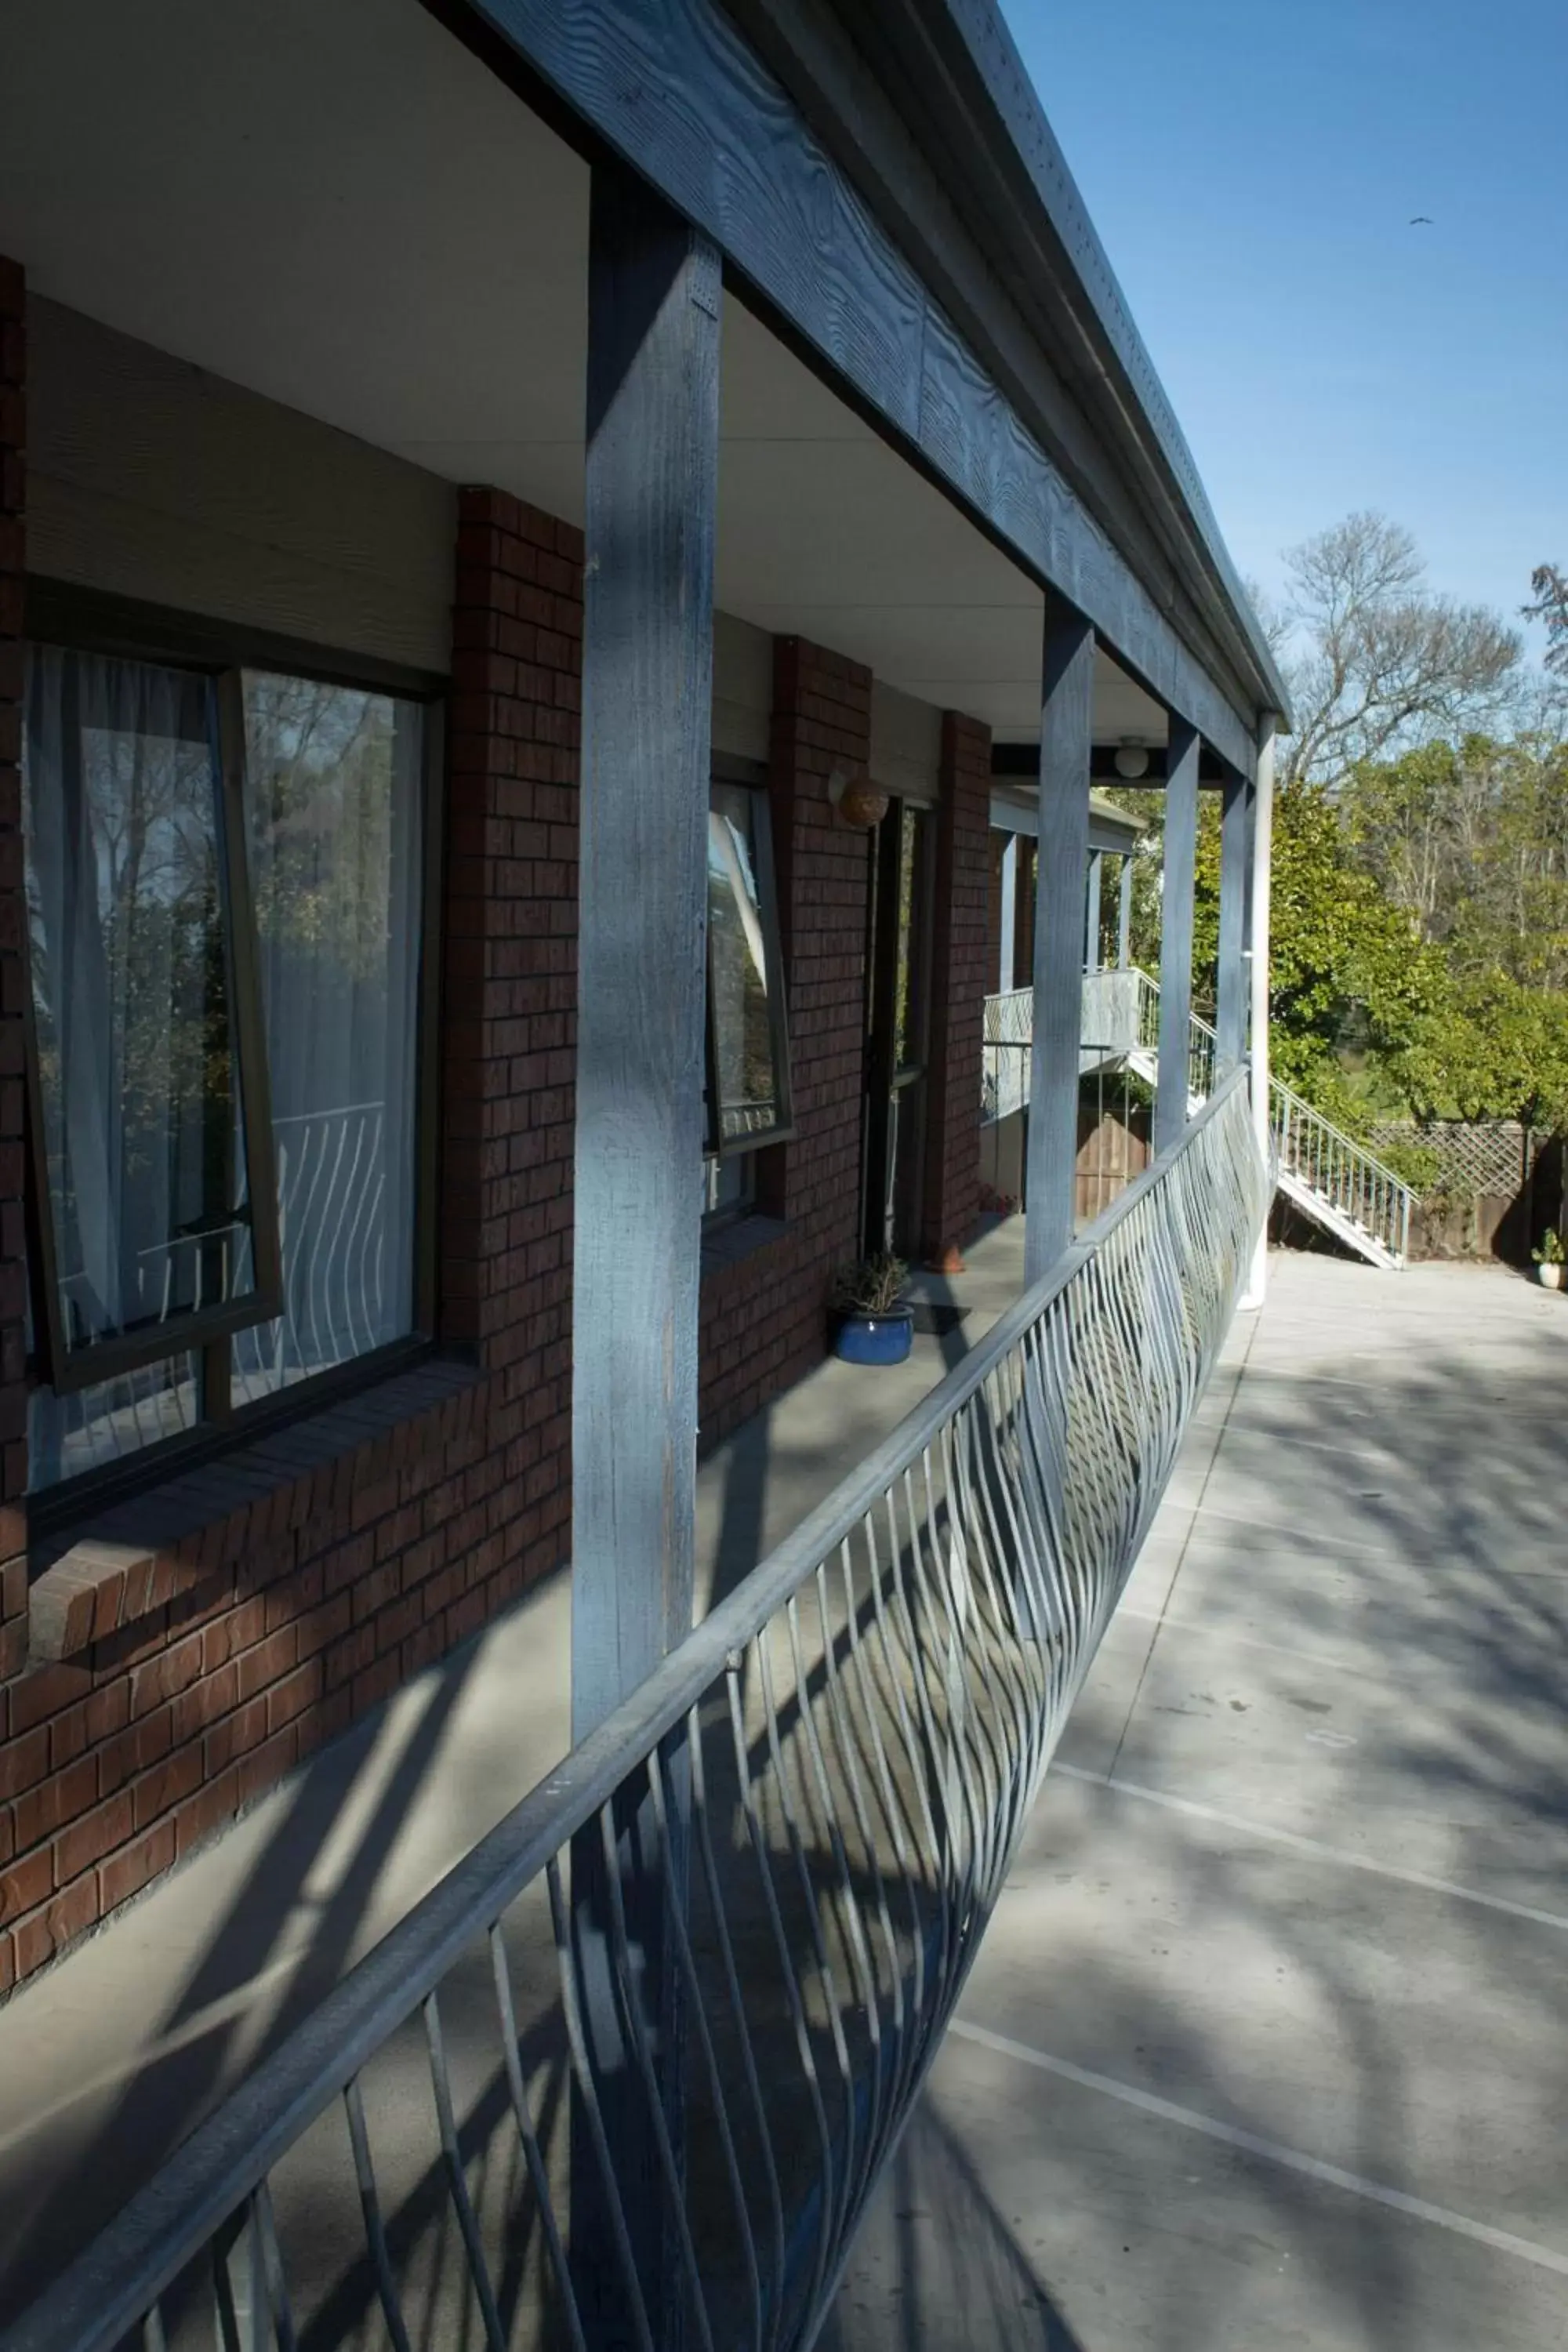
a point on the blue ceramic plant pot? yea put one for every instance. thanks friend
(876, 1339)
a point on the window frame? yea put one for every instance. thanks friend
(749, 776)
(92, 621)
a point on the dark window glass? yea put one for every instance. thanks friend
(747, 1067)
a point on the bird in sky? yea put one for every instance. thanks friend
(1422, 220)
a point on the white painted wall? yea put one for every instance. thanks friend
(906, 744)
(743, 688)
(149, 477)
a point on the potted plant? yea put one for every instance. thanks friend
(874, 1328)
(1551, 1260)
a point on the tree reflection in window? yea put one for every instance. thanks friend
(332, 815)
(225, 881)
(138, 1055)
(748, 1073)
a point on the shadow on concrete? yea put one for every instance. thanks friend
(1400, 1578)
(933, 2192)
(164, 2101)
(1433, 1493)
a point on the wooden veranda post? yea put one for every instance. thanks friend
(1125, 915)
(1067, 716)
(1176, 932)
(654, 299)
(1091, 912)
(1230, 995)
(1258, 943)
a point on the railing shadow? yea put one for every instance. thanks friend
(861, 1728)
(196, 2061)
(938, 2257)
(1384, 1563)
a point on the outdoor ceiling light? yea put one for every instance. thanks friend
(1133, 757)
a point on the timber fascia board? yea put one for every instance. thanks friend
(653, 83)
(927, 108)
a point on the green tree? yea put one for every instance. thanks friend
(1472, 839)
(1354, 988)
(1499, 1051)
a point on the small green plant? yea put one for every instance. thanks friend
(1554, 1250)
(874, 1286)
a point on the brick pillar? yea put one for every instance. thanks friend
(12, 985)
(960, 983)
(510, 1034)
(764, 1317)
(822, 726)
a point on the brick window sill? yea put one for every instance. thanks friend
(137, 1555)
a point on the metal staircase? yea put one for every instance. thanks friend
(1346, 1190)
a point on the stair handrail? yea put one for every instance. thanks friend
(1392, 1197)
(1350, 1177)
(1297, 1102)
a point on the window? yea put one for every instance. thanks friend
(333, 809)
(748, 1057)
(224, 892)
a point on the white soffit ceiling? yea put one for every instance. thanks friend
(340, 208)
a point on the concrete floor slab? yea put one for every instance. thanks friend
(1267, 2043)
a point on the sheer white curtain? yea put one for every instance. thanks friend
(334, 797)
(130, 976)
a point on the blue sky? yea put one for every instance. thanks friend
(1252, 167)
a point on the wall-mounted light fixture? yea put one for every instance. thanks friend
(856, 799)
(1132, 758)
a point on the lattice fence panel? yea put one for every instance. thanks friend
(1473, 1156)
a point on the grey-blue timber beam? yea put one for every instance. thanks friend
(1231, 982)
(1125, 915)
(1176, 933)
(1067, 715)
(1091, 911)
(654, 300)
(648, 653)
(652, 80)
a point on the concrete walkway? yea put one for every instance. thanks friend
(1268, 2044)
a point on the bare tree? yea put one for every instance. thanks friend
(1551, 605)
(1382, 662)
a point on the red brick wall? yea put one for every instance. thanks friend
(765, 1319)
(194, 1644)
(961, 979)
(13, 983)
(510, 1034)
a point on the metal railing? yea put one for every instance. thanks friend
(1339, 1171)
(690, 1986)
(1201, 1040)
(1007, 1042)
(1341, 1175)
(340, 1297)
(1356, 1189)
(332, 1226)
(1109, 1027)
